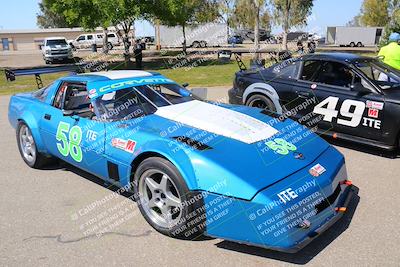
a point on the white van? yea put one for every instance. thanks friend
(87, 40)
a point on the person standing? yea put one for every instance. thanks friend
(138, 54)
(391, 52)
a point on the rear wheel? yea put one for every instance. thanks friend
(261, 101)
(110, 46)
(203, 44)
(359, 44)
(163, 196)
(27, 147)
(196, 44)
(352, 44)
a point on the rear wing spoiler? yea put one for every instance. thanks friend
(11, 74)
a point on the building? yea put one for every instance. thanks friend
(32, 39)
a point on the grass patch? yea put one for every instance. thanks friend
(210, 74)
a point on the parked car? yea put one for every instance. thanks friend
(87, 40)
(346, 96)
(249, 34)
(195, 167)
(56, 49)
(235, 39)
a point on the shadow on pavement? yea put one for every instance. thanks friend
(309, 252)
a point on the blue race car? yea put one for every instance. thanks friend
(194, 167)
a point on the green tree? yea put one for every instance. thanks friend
(46, 18)
(244, 15)
(290, 13)
(90, 14)
(375, 13)
(184, 13)
(225, 12)
(393, 24)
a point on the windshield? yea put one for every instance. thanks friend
(138, 101)
(56, 42)
(379, 73)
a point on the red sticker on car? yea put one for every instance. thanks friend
(373, 113)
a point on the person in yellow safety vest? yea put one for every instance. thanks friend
(391, 52)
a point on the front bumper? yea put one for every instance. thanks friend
(267, 222)
(58, 57)
(234, 98)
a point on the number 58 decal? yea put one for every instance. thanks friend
(351, 109)
(71, 147)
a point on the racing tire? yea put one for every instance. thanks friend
(203, 44)
(166, 202)
(110, 46)
(261, 101)
(352, 44)
(359, 44)
(27, 147)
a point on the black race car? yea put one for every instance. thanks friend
(346, 96)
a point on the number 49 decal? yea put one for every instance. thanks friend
(71, 147)
(328, 109)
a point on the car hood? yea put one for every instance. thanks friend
(227, 146)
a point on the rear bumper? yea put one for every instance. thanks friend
(288, 226)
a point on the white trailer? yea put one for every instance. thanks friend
(202, 35)
(354, 36)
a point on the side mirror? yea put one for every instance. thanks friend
(358, 87)
(185, 85)
(68, 113)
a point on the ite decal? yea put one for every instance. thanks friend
(126, 145)
(91, 135)
(287, 195)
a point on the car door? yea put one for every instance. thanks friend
(347, 103)
(80, 41)
(302, 98)
(69, 132)
(90, 40)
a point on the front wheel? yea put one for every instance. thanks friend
(110, 46)
(27, 147)
(261, 101)
(165, 200)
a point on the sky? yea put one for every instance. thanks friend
(21, 14)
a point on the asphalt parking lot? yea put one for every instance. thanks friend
(46, 215)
